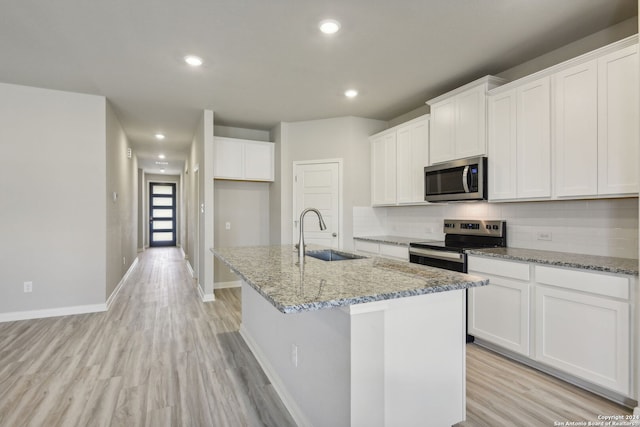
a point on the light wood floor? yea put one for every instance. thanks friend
(161, 357)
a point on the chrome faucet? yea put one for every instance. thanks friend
(301, 245)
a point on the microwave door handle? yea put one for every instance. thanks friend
(465, 179)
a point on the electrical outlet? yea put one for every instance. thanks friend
(294, 355)
(543, 235)
(227, 226)
(28, 287)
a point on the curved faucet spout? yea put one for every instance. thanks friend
(301, 245)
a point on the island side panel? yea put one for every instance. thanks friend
(317, 391)
(425, 360)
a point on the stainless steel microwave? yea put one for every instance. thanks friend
(457, 180)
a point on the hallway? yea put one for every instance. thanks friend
(158, 357)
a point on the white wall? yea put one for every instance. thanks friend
(342, 137)
(245, 207)
(53, 196)
(199, 236)
(607, 227)
(122, 214)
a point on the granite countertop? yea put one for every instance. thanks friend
(563, 259)
(391, 240)
(274, 272)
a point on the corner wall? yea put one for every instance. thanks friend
(122, 213)
(53, 193)
(198, 239)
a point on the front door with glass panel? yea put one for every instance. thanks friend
(162, 214)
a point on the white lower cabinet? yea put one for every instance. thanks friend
(583, 325)
(574, 321)
(381, 249)
(499, 313)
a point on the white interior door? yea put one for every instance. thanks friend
(317, 185)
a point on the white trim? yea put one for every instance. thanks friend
(340, 163)
(205, 297)
(52, 312)
(191, 270)
(114, 294)
(287, 399)
(231, 284)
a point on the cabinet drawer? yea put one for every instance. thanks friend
(511, 269)
(370, 247)
(394, 251)
(595, 283)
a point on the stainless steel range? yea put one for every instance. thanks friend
(460, 234)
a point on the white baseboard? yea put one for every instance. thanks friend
(52, 312)
(114, 294)
(223, 285)
(205, 297)
(191, 270)
(286, 397)
(184, 256)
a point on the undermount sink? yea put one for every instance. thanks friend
(332, 255)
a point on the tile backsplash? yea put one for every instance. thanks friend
(598, 227)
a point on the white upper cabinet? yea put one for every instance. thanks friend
(244, 160)
(596, 126)
(533, 113)
(581, 116)
(520, 142)
(618, 114)
(502, 146)
(458, 119)
(383, 168)
(412, 150)
(398, 158)
(576, 130)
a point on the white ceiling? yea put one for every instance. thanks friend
(266, 61)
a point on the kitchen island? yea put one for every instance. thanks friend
(362, 342)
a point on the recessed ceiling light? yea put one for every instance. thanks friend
(194, 61)
(162, 170)
(351, 93)
(162, 163)
(161, 156)
(159, 136)
(329, 26)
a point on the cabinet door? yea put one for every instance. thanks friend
(502, 146)
(618, 122)
(470, 130)
(412, 147)
(383, 169)
(442, 131)
(499, 313)
(258, 161)
(576, 130)
(534, 140)
(584, 335)
(228, 160)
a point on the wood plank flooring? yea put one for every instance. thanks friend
(161, 357)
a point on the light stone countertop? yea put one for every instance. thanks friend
(563, 259)
(391, 240)
(274, 272)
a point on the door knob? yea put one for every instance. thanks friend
(334, 234)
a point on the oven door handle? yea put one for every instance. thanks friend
(465, 179)
(447, 256)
